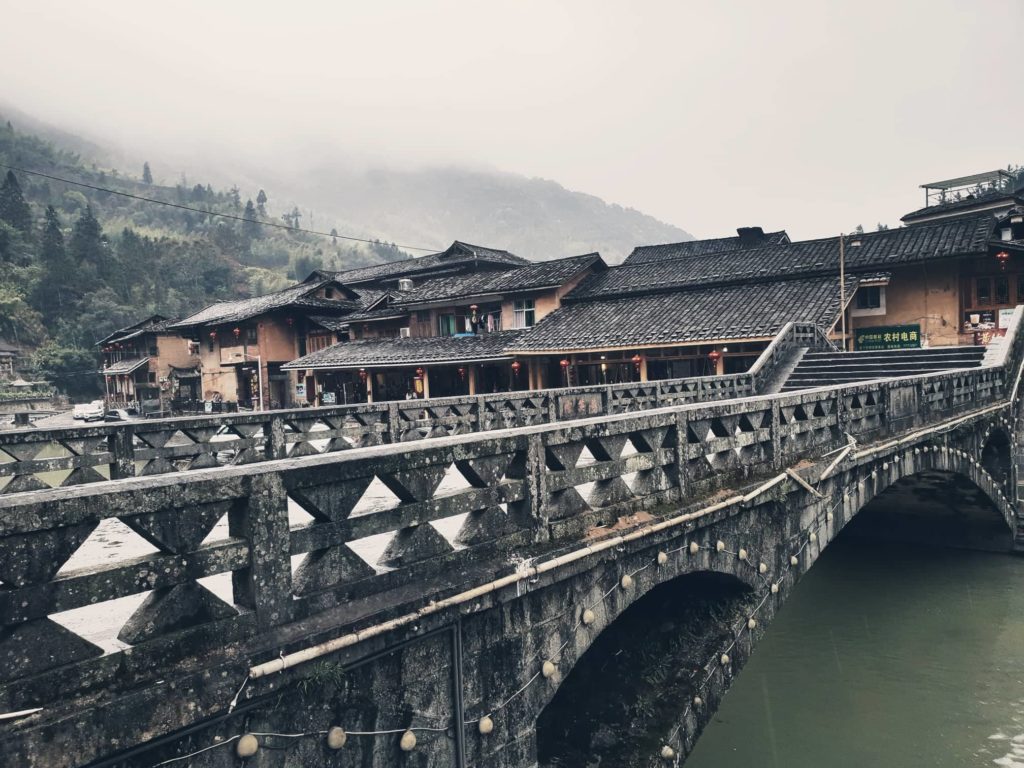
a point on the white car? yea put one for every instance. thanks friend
(93, 411)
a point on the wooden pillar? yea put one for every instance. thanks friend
(643, 367)
(426, 383)
(471, 372)
(369, 385)
(720, 366)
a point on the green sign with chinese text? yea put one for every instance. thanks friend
(888, 337)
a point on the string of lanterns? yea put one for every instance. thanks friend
(248, 744)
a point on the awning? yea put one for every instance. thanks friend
(410, 352)
(124, 366)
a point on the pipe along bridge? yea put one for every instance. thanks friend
(438, 602)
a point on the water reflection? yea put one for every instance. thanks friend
(888, 656)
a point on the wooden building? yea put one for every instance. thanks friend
(446, 334)
(149, 366)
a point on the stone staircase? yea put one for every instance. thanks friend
(822, 369)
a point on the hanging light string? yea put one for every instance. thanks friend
(715, 665)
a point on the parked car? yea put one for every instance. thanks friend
(122, 414)
(89, 411)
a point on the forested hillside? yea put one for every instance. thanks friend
(78, 263)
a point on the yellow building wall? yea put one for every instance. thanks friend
(172, 351)
(928, 295)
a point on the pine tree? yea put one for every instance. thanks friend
(147, 175)
(13, 208)
(90, 249)
(261, 202)
(58, 270)
(250, 227)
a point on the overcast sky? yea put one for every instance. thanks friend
(811, 115)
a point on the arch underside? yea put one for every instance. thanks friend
(626, 692)
(934, 508)
(621, 712)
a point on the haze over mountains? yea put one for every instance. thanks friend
(427, 206)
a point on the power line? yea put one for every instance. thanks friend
(212, 213)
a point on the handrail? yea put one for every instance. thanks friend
(95, 452)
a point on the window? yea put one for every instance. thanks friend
(984, 290)
(250, 335)
(869, 297)
(328, 293)
(423, 316)
(869, 300)
(447, 325)
(1002, 286)
(524, 314)
(317, 341)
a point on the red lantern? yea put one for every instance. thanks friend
(636, 360)
(516, 365)
(1002, 257)
(237, 331)
(462, 373)
(419, 372)
(714, 355)
(213, 335)
(564, 362)
(362, 374)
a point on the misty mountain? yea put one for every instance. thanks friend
(428, 206)
(535, 218)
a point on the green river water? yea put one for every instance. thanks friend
(884, 656)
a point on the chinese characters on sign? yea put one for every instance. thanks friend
(888, 337)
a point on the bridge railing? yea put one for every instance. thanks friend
(33, 459)
(371, 528)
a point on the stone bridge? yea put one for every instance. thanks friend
(432, 603)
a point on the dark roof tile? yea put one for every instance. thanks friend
(745, 311)
(955, 237)
(647, 253)
(428, 350)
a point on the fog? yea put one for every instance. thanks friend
(813, 116)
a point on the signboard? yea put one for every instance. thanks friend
(300, 391)
(1004, 317)
(988, 335)
(328, 398)
(888, 337)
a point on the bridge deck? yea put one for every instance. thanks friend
(468, 509)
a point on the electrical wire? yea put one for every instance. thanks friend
(179, 206)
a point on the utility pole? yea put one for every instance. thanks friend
(842, 287)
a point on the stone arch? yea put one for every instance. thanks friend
(652, 653)
(997, 455)
(941, 497)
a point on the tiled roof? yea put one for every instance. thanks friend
(152, 324)
(756, 310)
(954, 237)
(429, 350)
(124, 366)
(458, 253)
(532, 276)
(990, 200)
(329, 322)
(645, 253)
(243, 309)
